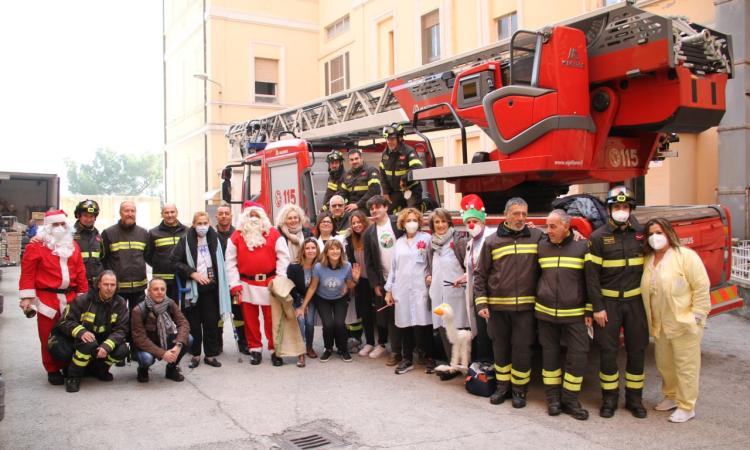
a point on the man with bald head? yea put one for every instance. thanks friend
(161, 240)
(125, 247)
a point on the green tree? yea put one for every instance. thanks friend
(113, 173)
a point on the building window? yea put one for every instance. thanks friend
(609, 2)
(338, 27)
(506, 25)
(430, 37)
(266, 80)
(337, 74)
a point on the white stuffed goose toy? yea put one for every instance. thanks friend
(460, 341)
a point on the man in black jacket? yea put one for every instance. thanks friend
(88, 239)
(98, 322)
(224, 230)
(379, 241)
(161, 240)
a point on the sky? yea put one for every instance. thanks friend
(78, 75)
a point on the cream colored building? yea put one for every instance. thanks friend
(254, 57)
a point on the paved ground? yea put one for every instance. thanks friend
(362, 402)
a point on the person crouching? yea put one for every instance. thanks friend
(160, 331)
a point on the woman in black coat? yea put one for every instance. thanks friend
(200, 268)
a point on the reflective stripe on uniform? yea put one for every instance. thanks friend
(616, 294)
(480, 301)
(332, 186)
(552, 377)
(509, 300)
(572, 382)
(88, 317)
(81, 359)
(372, 181)
(127, 245)
(113, 318)
(609, 382)
(502, 373)
(133, 284)
(360, 188)
(85, 255)
(161, 242)
(520, 378)
(561, 261)
(513, 249)
(622, 262)
(166, 276)
(594, 259)
(398, 173)
(415, 162)
(573, 312)
(634, 381)
(109, 343)
(78, 329)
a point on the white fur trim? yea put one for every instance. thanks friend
(63, 302)
(55, 218)
(27, 293)
(64, 272)
(44, 310)
(256, 295)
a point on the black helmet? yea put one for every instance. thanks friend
(394, 129)
(620, 194)
(334, 155)
(87, 206)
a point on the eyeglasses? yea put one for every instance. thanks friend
(326, 222)
(338, 205)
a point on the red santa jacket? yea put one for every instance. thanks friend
(260, 260)
(53, 280)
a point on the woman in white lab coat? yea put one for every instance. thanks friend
(406, 289)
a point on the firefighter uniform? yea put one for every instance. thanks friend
(361, 184)
(614, 267)
(161, 241)
(560, 310)
(108, 321)
(335, 178)
(237, 320)
(124, 253)
(505, 281)
(90, 243)
(394, 169)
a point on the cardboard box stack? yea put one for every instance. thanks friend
(13, 247)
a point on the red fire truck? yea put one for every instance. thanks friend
(593, 99)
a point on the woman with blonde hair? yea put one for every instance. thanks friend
(301, 272)
(675, 289)
(292, 224)
(332, 279)
(406, 288)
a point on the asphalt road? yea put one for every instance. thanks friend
(362, 403)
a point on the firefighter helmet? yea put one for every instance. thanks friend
(87, 206)
(334, 155)
(620, 194)
(393, 130)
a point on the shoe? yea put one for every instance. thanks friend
(666, 405)
(366, 350)
(244, 350)
(255, 358)
(519, 398)
(554, 408)
(636, 409)
(394, 359)
(325, 356)
(429, 365)
(55, 378)
(404, 366)
(276, 361)
(609, 404)
(449, 375)
(174, 373)
(680, 416)
(501, 393)
(142, 375)
(120, 364)
(311, 353)
(301, 361)
(72, 384)
(346, 357)
(213, 362)
(575, 411)
(378, 351)
(195, 361)
(105, 376)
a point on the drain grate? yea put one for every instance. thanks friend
(309, 440)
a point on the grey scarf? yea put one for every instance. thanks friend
(439, 241)
(165, 326)
(294, 240)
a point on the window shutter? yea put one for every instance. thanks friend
(328, 87)
(346, 70)
(266, 70)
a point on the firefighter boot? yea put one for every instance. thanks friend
(519, 396)
(72, 384)
(142, 375)
(501, 393)
(609, 403)
(572, 407)
(553, 400)
(634, 403)
(173, 372)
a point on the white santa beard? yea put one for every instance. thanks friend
(62, 246)
(253, 233)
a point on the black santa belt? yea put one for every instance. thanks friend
(257, 277)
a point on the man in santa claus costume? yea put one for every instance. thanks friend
(52, 274)
(255, 254)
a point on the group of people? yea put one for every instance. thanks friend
(380, 285)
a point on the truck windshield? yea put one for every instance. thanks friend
(251, 181)
(524, 68)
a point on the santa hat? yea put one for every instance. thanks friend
(250, 205)
(57, 216)
(472, 206)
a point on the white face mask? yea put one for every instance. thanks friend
(59, 232)
(411, 227)
(620, 216)
(476, 231)
(202, 230)
(657, 241)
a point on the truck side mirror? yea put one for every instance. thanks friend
(226, 184)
